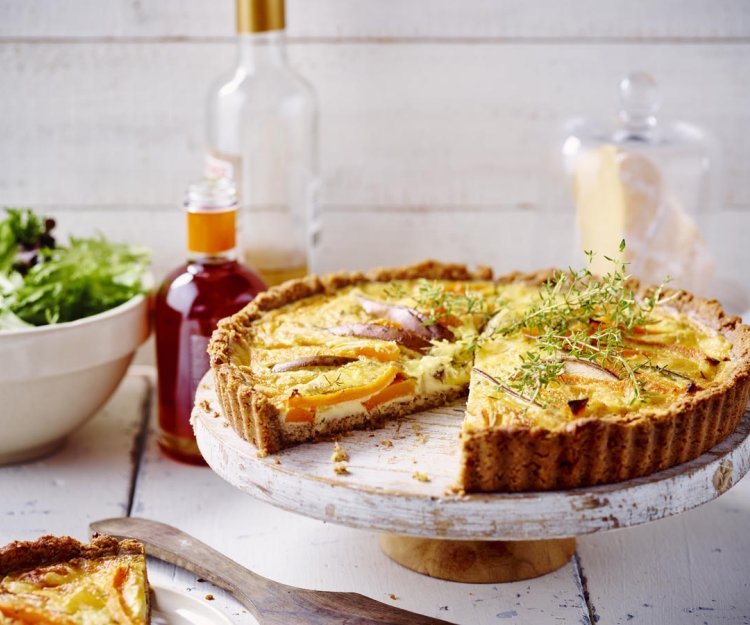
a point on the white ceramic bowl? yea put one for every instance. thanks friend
(53, 378)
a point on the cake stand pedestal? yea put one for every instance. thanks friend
(477, 538)
(478, 561)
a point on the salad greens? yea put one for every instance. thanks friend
(42, 282)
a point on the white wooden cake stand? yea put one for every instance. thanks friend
(471, 538)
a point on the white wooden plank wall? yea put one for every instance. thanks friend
(438, 116)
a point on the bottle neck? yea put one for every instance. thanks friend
(259, 50)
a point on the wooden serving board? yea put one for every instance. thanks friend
(381, 493)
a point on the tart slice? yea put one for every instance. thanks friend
(58, 580)
(573, 380)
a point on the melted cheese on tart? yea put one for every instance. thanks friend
(81, 591)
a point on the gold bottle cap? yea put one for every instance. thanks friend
(257, 16)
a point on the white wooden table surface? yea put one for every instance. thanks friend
(689, 569)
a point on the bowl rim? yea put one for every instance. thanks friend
(133, 302)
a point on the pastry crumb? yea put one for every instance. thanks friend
(420, 438)
(339, 454)
(341, 468)
(393, 597)
(205, 405)
(209, 597)
(420, 476)
(277, 460)
(386, 443)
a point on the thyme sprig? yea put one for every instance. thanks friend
(506, 389)
(583, 317)
(438, 304)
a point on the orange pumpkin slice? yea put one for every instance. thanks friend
(299, 415)
(356, 380)
(395, 390)
(384, 351)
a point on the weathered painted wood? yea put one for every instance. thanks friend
(90, 478)
(421, 126)
(375, 19)
(380, 491)
(691, 569)
(301, 551)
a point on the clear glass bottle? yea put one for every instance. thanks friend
(262, 131)
(654, 183)
(190, 302)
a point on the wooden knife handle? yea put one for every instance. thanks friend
(271, 603)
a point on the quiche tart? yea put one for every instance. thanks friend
(60, 581)
(572, 379)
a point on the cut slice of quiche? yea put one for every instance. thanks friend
(572, 379)
(60, 581)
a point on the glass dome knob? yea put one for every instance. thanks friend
(639, 100)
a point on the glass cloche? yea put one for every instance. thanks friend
(653, 183)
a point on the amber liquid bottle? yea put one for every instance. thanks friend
(190, 302)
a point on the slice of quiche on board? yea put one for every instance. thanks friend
(59, 580)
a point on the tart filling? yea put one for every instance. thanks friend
(556, 364)
(549, 370)
(326, 358)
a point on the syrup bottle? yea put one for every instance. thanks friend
(190, 302)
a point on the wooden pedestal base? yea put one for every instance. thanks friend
(477, 561)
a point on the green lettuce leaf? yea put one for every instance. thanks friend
(85, 278)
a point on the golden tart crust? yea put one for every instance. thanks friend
(585, 451)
